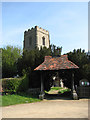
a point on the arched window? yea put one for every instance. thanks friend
(43, 40)
(30, 41)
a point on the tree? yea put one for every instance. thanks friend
(33, 58)
(55, 51)
(10, 56)
(44, 52)
(80, 58)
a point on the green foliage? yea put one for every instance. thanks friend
(13, 62)
(86, 71)
(44, 52)
(80, 58)
(18, 99)
(65, 90)
(53, 89)
(10, 56)
(31, 59)
(55, 51)
(24, 84)
(56, 88)
(10, 85)
(14, 85)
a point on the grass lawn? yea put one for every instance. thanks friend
(65, 90)
(21, 98)
(18, 99)
(57, 90)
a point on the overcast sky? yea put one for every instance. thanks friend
(67, 23)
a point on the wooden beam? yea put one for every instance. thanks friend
(41, 96)
(42, 84)
(73, 92)
(73, 88)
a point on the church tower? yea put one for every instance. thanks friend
(36, 37)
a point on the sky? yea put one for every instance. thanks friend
(67, 23)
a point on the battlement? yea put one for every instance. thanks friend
(36, 37)
(29, 30)
(38, 29)
(41, 29)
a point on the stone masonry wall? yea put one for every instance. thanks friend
(36, 34)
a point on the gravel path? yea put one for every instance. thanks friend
(48, 109)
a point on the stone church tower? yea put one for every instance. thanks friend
(36, 37)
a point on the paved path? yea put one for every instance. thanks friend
(48, 109)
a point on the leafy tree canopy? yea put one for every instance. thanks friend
(14, 62)
(10, 56)
(80, 58)
(31, 59)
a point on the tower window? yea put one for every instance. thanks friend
(43, 40)
(30, 40)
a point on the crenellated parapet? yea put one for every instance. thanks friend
(29, 31)
(37, 28)
(36, 37)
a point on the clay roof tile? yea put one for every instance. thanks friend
(56, 63)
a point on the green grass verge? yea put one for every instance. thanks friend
(65, 90)
(53, 89)
(18, 99)
(56, 88)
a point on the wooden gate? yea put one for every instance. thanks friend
(84, 89)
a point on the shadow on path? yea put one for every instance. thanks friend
(64, 96)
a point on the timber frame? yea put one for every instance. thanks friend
(56, 65)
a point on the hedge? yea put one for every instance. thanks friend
(14, 85)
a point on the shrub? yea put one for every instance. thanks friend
(14, 85)
(10, 85)
(24, 84)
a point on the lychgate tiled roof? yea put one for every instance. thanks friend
(56, 63)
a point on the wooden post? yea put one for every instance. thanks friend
(73, 88)
(74, 94)
(41, 96)
(42, 86)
